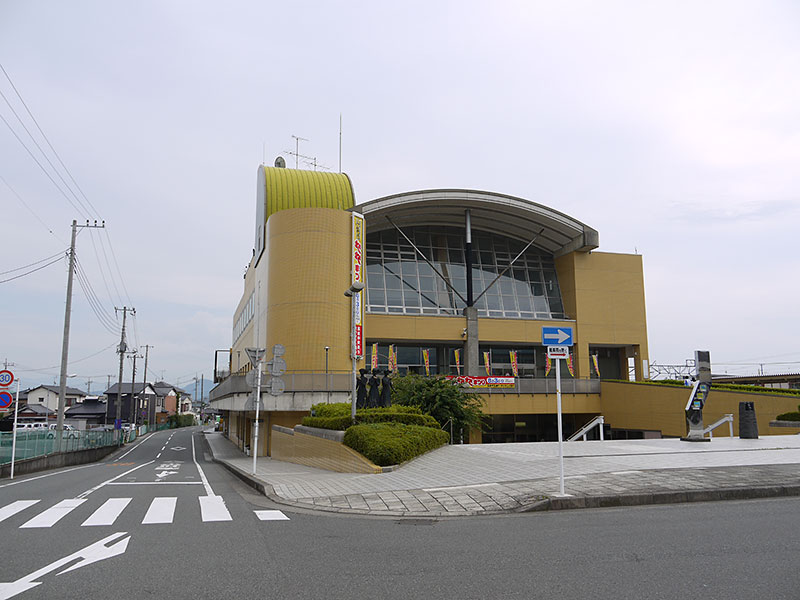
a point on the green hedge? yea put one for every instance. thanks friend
(393, 443)
(371, 415)
(342, 409)
(789, 416)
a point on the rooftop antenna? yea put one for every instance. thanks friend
(313, 162)
(296, 152)
(340, 142)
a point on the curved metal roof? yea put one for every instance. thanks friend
(489, 211)
(294, 188)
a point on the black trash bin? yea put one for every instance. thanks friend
(748, 426)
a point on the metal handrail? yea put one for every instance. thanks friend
(598, 420)
(727, 418)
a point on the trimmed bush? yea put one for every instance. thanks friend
(337, 418)
(393, 443)
(789, 416)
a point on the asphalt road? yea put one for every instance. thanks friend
(158, 520)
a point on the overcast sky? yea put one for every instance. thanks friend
(672, 128)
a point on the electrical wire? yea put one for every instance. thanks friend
(114, 256)
(72, 362)
(100, 266)
(32, 270)
(46, 139)
(94, 303)
(33, 264)
(26, 205)
(63, 193)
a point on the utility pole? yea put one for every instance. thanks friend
(202, 376)
(62, 386)
(89, 387)
(122, 349)
(132, 411)
(144, 381)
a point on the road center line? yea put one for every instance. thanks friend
(209, 491)
(97, 487)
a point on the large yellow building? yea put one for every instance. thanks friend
(531, 267)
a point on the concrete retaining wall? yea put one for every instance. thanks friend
(312, 448)
(55, 461)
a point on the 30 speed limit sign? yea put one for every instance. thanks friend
(6, 378)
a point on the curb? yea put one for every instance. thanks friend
(538, 503)
(671, 497)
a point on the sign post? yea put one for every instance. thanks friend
(562, 336)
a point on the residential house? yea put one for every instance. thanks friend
(47, 395)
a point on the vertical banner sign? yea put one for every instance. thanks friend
(596, 366)
(548, 366)
(570, 366)
(427, 359)
(487, 362)
(514, 370)
(375, 355)
(357, 274)
(458, 361)
(392, 358)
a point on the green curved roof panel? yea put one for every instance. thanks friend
(293, 188)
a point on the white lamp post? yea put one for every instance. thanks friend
(351, 292)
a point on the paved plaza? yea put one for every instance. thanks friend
(493, 478)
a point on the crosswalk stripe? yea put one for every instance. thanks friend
(15, 507)
(212, 508)
(54, 514)
(161, 511)
(107, 513)
(270, 515)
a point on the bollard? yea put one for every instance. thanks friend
(748, 426)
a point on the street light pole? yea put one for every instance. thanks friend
(351, 293)
(327, 380)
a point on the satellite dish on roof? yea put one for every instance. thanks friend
(280, 163)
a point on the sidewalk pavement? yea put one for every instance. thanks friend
(483, 479)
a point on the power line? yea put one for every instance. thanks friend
(32, 270)
(26, 205)
(59, 254)
(46, 139)
(94, 303)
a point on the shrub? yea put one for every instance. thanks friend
(393, 443)
(337, 416)
(443, 399)
(789, 416)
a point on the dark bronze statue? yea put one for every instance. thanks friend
(361, 389)
(386, 389)
(374, 400)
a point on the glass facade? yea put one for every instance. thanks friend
(400, 281)
(531, 360)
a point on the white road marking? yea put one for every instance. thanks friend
(209, 491)
(107, 513)
(53, 514)
(270, 515)
(159, 482)
(212, 508)
(158, 455)
(50, 475)
(15, 507)
(97, 487)
(161, 511)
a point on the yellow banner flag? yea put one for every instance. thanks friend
(375, 355)
(487, 362)
(426, 358)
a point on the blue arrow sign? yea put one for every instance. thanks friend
(557, 336)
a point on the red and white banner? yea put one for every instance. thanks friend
(483, 382)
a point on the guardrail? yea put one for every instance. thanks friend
(33, 444)
(342, 382)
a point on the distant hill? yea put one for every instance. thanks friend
(188, 387)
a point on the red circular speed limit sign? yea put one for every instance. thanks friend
(6, 378)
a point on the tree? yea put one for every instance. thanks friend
(443, 399)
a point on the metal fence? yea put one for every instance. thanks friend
(342, 382)
(31, 444)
